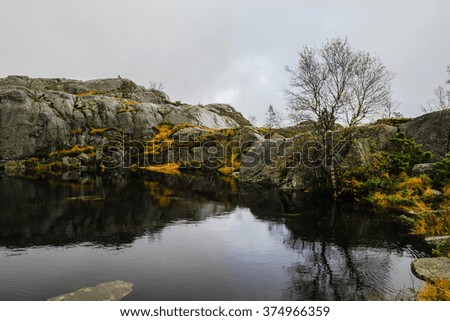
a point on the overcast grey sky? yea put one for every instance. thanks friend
(206, 51)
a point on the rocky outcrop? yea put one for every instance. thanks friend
(423, 169)
(108, 291)
(296, 163)
(432, 131)
(38, 116)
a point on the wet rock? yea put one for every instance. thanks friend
(109, 291)
(431, 269)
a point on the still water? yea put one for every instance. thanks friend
(195, 239)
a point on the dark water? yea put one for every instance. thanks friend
(195, 239)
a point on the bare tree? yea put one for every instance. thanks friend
(390, 110)
(441, 99)
(252, 119)
(337, 85)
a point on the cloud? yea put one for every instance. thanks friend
(213, 50)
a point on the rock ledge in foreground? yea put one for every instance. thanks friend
(109, 291)
(431, 269)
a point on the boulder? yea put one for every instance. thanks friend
(431, 269)
(432, 130)
(84, 158)
(434, 240)
(199, 116)
(109, 291)
(424, 168)
(71, 162)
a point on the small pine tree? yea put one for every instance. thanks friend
(270, 118)
(403, 153)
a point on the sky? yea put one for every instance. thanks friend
(235, 51)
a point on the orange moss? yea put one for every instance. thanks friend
(432, 223)
(51, 168)
(233, 166)
(126, 102)
(439, 291)
(77, 131)
(74, 151)
(125, 110)
(160, 140)
(410, 195)
(95, 131)
(417, 183)
(88, 93)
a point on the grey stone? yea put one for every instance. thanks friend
(436, 193)
(433, 240)
(190, 134)
(250, 134)
(424, 168)
(40, 115)
(432, 130)
(431, 269)
(71, 162)
(84, 158)
(109, 291)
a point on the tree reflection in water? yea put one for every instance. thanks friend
(343, 252)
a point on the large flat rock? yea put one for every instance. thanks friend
(109, 291)
(431, 269)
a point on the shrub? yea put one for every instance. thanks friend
(403, 153)
(442, 172)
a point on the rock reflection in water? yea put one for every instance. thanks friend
(244, 244)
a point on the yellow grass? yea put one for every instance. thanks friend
(433, 223)
(155, 145)
(126, 102)
(88, 93)
(95, 131)
(125, 110)
(75, 150)
(439, 291)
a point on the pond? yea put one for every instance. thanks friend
(184, 238)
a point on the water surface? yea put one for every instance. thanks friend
(196, 239)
